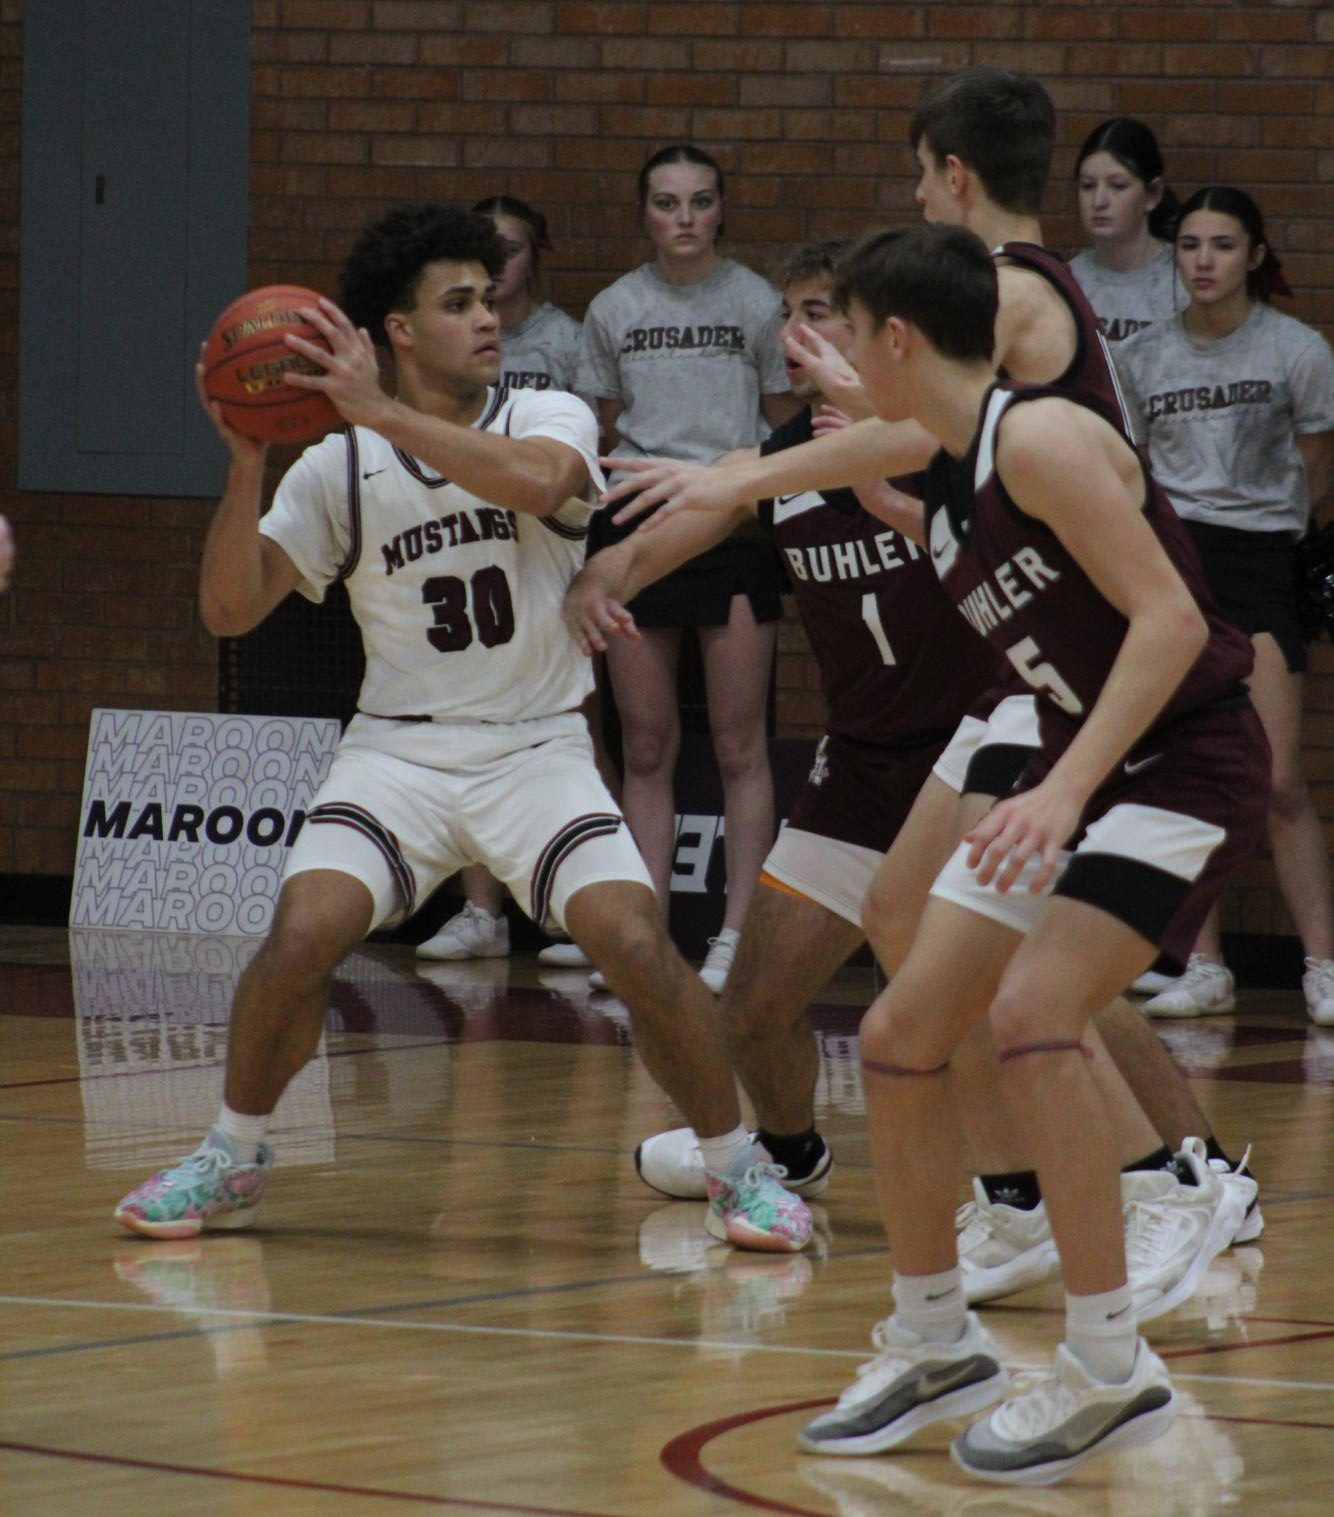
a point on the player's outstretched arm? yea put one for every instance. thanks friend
(1068, 468)
(905, 513)
(595, 601)
(242, 575)
(532, 475)
(863, 453)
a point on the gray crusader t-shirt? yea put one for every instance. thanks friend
(1220, 418)
(688, 362)
(1127, 302)
(540, 352)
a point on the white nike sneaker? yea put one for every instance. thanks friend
(472, 934)
(1205, 990)
(909, 1385)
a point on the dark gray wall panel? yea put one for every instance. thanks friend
(134, 204)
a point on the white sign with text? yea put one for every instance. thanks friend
(187, 817)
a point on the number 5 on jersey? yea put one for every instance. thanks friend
(1026, 657)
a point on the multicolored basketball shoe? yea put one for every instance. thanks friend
(752, 1210)
(209, 1189)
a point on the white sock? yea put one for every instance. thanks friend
(932, 1306)
(245, 1133)
(1101, 1332)
(730, 1154)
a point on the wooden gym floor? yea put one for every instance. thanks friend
(461, 1299)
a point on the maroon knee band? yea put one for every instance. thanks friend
(873, 1066)
(1052, 1045)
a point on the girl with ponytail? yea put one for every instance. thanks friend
(1129, 213)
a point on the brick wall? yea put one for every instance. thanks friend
(357, 103)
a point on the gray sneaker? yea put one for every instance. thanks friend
(1044, 1433)
(910, 1384)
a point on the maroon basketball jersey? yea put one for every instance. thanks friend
(897, 666)
(1091, 377)
(1019, 588)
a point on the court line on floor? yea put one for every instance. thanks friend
(317, 1319)
(284, 1482)
(243, 1317)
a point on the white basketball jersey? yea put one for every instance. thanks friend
(458, 600)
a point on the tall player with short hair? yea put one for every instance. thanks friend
(456, 515)
(983, 140)
(1149, 787)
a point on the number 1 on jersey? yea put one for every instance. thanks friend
(871, 616)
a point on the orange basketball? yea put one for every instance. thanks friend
(245, 359)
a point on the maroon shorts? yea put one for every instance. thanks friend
(1209, 769)
(861, 794)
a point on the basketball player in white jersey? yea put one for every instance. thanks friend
(455, 512)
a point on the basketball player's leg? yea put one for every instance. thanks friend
(737, 662)
(277, 1017)
(934, 1360)
(897, 893)
(546, 825)
(790, 946)
(675, 1020)
(643, 680)
(678, 1036)
(346, 874)
(1158, 1086)
(802, 924)
(893, 906)
(1070, 964)
(281, 1000)
(909, 1036)
(1072, 961)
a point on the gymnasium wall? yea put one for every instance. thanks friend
(361, 103)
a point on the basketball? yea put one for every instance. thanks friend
(245, 359)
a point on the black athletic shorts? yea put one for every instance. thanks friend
(699, 593)
(1251, 576)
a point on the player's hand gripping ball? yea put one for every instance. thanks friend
(245, 359)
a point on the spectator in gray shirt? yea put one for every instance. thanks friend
(685, 359)
(1236, 404)
(1128, 271)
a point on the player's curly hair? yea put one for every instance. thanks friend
(384, 268)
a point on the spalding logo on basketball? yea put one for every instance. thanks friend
(245, 359)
